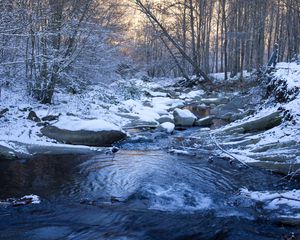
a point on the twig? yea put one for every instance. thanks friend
(224, 151)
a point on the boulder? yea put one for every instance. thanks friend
(184, 117)
(165, 119)
(200, 111)
(224, 111)
(83, 137)
(259, 124)
(167, 127)
(205, 122)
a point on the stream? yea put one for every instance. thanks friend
(136, 194)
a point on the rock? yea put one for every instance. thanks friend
(260, 124)
(291, 222)
(71, 114)
(205, 122)
(7, 153)
(279, 167)
(159, 135)
(184, 118)
(115, 150)
(217, 123)
(224, 112)
(242, 115)
(200, 111)
(83, 137)
(33, 117)
(5, 110)
(50, 118)
(142, 124)
(167, 127)
(215, 101)
(233, 110)
(165, 119)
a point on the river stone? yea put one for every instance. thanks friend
(200, 111)
(167, 127)
(224, 111)
(165, 119)
(83, 137)
(264, 123)
(205, 122)
(184, 118)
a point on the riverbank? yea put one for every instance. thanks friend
(253, 123)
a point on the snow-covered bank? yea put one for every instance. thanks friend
(96, 109)
(264, 132)
(278, 148)
(284, 205)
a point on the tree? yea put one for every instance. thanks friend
(159, 26)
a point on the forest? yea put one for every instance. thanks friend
(79, 41)
(150, 119)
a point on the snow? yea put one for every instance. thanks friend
(169, 127)
(102, 107)
(156, 94)
(76, 124)
(97, 108)
(290, 72)
(221, 76)
(184, 113)
(286, 134)
(192, 94)
(164, 103)
(34, 198)
(274, 200)
(178, 151)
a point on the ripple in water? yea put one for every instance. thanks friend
(155, 180)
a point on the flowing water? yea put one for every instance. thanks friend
(135, 195)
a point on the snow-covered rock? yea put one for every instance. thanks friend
(77, 124)
(97, 133)
(184, 117)
(205, 122)
(258, 123)
(168, 127)
(165, 119)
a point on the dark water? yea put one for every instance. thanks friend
(136, 195)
